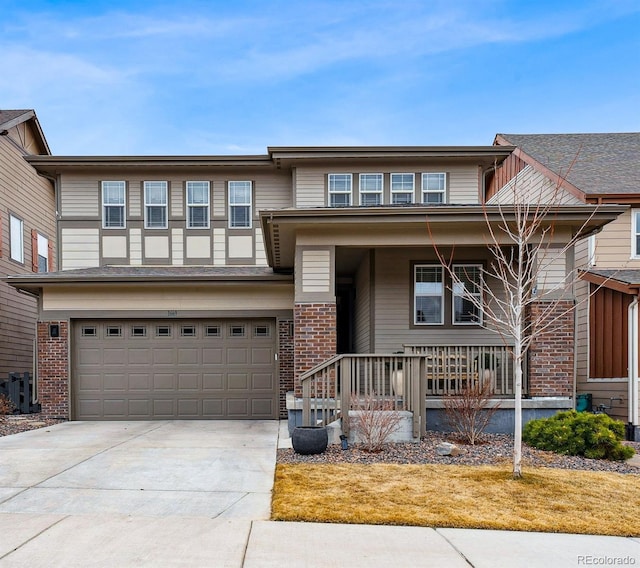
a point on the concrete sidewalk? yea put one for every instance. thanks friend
(198, 494)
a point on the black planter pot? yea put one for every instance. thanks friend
(309, 439)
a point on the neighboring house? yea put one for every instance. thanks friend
(211, 287)
(598, 169)
(27, 234)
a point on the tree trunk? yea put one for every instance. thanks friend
(517, 434)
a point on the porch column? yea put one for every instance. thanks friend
(551, 356)
(315, 315)
(53, 368)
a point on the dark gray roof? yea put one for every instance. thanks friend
(604, 163)
(7, 116)
(631, 277)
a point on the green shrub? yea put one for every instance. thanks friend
(595, 436)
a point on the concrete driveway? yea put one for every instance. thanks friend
(134, 493)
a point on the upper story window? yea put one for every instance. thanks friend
(240, 204)
(113, 204)
(42, 253)
(433, 188)
(340, 186)
(155, 204)
(467, 294)
(402, 188)
(428, 290)
(197, 204)
(635, 233)
(370, 189)
(16, 227)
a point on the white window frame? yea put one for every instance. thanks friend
(365, 188)
(347, 179)
(416, 295)
(403, 190)
(43, 253)
(162, 203)
(16, 232)
(234, 202)
(193, 205)
(457, 292)
(120, 204)
(635, 233)
(441, 190)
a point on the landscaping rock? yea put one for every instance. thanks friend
(447, 449)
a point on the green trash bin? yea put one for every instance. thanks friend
(584, 402)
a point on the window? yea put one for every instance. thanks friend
(113, 205)
(261, 331)
(467, 293)
(114, 331)
(236, 331)
(339, 190)
(240, 204)
(402, 186)
(433, 188)
(43, 253)
(17, 243)
(213, 331)
(635, 232)
(188, 331)
(370, 189)
(89, 331)
(138, 331)
(155, 204)
(428, 294)
(163, 331)
(197, 205)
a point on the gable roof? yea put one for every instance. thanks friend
(597, 164)
(11, 118)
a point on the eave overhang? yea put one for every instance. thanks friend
(625, 281)
(281, 228)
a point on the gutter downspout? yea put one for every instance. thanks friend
(633, 367)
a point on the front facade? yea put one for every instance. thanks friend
(27, 235)
(207, 287)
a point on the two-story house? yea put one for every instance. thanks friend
(596, 169)
(211, 287)
(27, 234)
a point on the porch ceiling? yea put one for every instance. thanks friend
(453, 225)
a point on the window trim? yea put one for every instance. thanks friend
(206, 206)
(394, 192)
(378, 192)
(165, 205)
(480, 294)
(635, 233)
(442, 295)
(424, 191)
(13, 246)
(332, 192)
(105, 205)
(42, 251)
(232, 205)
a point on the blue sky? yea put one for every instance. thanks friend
(236, 76)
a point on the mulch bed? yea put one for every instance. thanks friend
(496, 449)
(16, 423)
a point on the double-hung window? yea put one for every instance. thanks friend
(155, 204)
(467, 294)
(16, 227)
(43, 253)
(428, 291)
(340, 186)
(402, 188)
(113, 205)
(635, 233)
(197, 205)
(240, 204)
(370, 189)
(433, 188)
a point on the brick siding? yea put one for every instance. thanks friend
(551, 355)
(285, 362)
(315, 338)
(53, 370)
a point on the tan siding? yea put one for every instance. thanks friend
(552, 270)
(463, 184)
(272, 192)
(219, 247)
(603, 391)
(219, 199)
(80, 248)
(177, 246)
(261, 255)
(177, 198)
(80, 196)
(135, 246)
(116, 297)
(316, 266)
(582, 331)
(613, 245)
(30, 197)
(533, 187)
(363, 308)
(135, 197)
(310, 187)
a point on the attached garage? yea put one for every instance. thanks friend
(174, 369)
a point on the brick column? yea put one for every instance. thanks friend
(315, 337)
(53, 370)
(551, 356)
(285, 362)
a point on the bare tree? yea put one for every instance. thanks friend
(521, 228)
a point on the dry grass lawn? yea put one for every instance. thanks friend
(545, 499)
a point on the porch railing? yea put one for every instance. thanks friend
(402, 381)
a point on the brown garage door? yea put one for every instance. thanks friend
(159, 369)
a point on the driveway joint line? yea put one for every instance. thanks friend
(44, 530)
(454, 547)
